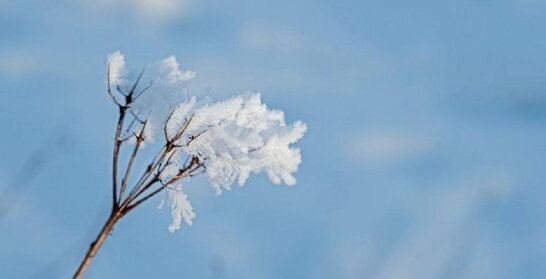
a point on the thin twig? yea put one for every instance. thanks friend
(182, 173)
(136, 117)
(169, 146)
(192, 138)
(133, 194)
(115, 157)
(182, 130)
(166, 163)
(139, 140)
(132, 91)
(166, 124)
(143, 90)
(137, 203)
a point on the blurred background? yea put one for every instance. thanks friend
(425, 155)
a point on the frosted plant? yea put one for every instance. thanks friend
(225, 141)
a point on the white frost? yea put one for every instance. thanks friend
(146, 130)
(167, 89)
(117, 70)
(169, 68)
(181, 208)
(241, 136)
(232, 138)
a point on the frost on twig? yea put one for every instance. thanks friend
(181, 208)
(117, 70)
(226, 140)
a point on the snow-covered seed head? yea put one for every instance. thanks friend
(229, 139)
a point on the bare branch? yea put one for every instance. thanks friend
(115, 157)
(139, 140)
(130, 125)
(182, 130)
(136, 117)
(181, 174)
(169, 146)
(135, 192)
(143, 90)
(138, 202)
(256, 149)
(184, 171)
(165, 126)
(192, 138)
(193, 173)
(132, 91)
(166, 162)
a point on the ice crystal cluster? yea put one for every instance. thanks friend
(232, 138)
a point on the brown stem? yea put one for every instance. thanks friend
(181, 174)
(95, 245)
(139, 140)
(115, 157)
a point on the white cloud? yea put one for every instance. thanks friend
(149, 11)
(386, 147)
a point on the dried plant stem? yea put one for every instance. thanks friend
(95, 245)
(144, 188)
(115, 157)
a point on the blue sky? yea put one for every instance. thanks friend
(424, 158)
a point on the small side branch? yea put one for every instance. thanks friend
(138, 202)
(139, 139)
(184, 172)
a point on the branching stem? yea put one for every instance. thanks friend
(143, 188)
